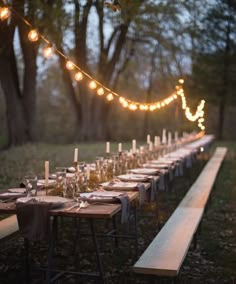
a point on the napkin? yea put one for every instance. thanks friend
(33, 219)
(125, 207)
(161, 184)
(154, 182)
(142, 193)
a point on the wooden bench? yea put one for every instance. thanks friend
(166, 253)
(8, 226)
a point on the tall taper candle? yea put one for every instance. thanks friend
(164, 136)
(108, 147)
(134, 146)
(148, 138)
(120, 147)
(156, 141)
(150, 146)
(46, 165)
(76, 155)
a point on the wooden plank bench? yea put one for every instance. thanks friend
(8, 226)
(166, 253)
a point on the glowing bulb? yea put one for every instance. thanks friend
(70, 65)
(133, 106)
(110, 97)
(4, 13)
(181, 81)
(125, 103)
(48, 51)
(121, 100)
(79, 76)
(100, 91)
(92, 85)
(33, 35)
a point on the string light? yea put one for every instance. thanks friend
(33, 35)
(4, 13)
(92, 85)
(79, 76)
(100, 92)
(48, 51)
(110, 97)
(69, 65)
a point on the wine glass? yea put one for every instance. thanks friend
(30, 184)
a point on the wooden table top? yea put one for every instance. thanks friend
(103, 210)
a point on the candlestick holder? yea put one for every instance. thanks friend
(76, 166)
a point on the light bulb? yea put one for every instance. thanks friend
(110, 97)
(79, 76)
(92, 85)
(181, 81)
(4, 13)
(48, 51)
(125, 103)
(33, 35)
(100, 91)
(70, 65)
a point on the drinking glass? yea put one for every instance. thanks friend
(30, 184)
(81, 166)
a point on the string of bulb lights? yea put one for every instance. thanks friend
(101, 90)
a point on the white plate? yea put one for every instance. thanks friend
(133, 177)
(101, 196)
(11, 195)
(17, 190)
(145, 171)
(120, 185)
(156, 166)
(42, 182)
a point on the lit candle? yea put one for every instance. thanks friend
(46, 165)
(108, 147)
(156, 141)
(120, 147)
(76, 155)
(150, 146)
(148, 138)
(134, 146)
(164, 136)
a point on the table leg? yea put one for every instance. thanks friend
(99, 263)
(115, 229)
(76, 248)
(27, 261)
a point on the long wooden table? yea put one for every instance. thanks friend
(91, 213)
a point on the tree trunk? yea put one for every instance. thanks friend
(16, 122)
(20, 102)
(29, 51)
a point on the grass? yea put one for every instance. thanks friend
(17, 162)
(213, 261)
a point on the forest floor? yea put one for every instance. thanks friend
(213, 261)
